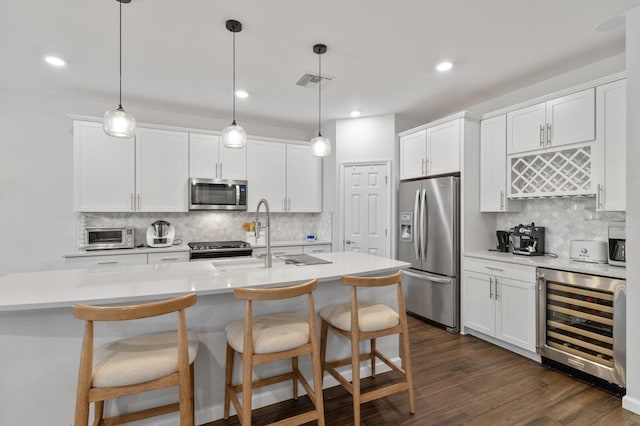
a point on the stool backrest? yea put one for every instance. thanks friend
(124, 313)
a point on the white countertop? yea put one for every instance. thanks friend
(136, 250)
(114, 284)
(564, 264)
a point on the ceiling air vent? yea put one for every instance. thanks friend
(311, 80)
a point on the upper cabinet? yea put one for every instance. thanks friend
(286, 175)
(210, 159)
(561, 121)
(146, 173)
(493, 166)
(610, 157)
(431, 151)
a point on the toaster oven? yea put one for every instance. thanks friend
(109, 238)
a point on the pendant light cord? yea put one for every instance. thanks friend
(233, 93)
(120, 97)
(319, 90)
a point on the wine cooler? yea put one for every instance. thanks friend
(581, 323)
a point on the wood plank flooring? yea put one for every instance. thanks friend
(464, 380)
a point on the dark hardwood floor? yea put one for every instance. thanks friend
(464, 380)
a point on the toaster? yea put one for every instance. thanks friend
(591, 251)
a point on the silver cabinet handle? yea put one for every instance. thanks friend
(427, 277)
(217, 173)
(168, 259)
(495, 282)
(501, 200)
(317, 251)
(490, 287)
(288, 204)
(599, 196)
(108, 263)
(494, 269)
(138, 201)
(548, 134)
(274, 253)
(541, 135)
(424, 172)
(284, 204)
(132, 203)
(220, 171)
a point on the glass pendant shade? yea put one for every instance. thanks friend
(234, 136)
(320, 146)
(119, 123)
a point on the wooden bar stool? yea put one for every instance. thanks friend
(367, 321)
(269, 338)
(136, 364)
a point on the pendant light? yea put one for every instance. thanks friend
(234, 136)
(118, 122)
(320, 145)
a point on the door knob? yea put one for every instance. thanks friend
(349, 242)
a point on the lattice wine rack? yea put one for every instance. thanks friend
(552, 174)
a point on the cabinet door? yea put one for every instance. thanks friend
(526, 129)
(612, 135)
(515, 312)
(105, 261)
(203, 156)
(413, 152)
(162, 170)
(233, 163)
(304, 180)
(443, 148)
(493, 164)
(167, 257)
(571, 119)
(479, 303)
(317, 248)
(266, 174)
(103, 170)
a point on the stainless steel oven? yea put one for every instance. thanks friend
(581, 323)
(217, 194)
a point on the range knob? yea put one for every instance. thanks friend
(245, 245)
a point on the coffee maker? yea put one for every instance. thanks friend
(528, 240)
(503, 241)
(617, 243)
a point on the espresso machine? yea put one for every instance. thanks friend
(528, 240)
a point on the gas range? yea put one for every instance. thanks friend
(215, 249)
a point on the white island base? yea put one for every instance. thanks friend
(41, 339)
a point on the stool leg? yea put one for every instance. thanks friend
(247, 385)
(294, 369)
(324, 329)
(355, 374)
(407, 363)
(98, 412)
(373, 357)
(227, 380)
(317, 375)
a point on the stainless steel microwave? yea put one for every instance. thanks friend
(217, 194)
(109, 238)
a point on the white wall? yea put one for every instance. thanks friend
(632, 400)
(36, 205)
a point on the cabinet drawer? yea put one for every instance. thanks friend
(103, 261)
(320, 248)
(168, 257)
(501, 269)
(278, 251)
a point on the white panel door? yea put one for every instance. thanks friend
(443, 148)
(526, 129)
(366, 209)
(413, 155)
(162, 170)
(266, 174)
(571, 118)
(479, 303)
(304, 180)
(203, 156)
(233, 163)
(515, 312)
(103, 170)
(493, 164)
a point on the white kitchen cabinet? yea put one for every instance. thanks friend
(210, 159)
(103, 170)
(561, 121)
(610, 157)
(286, 175)
(499, 301)
(493, 166)
(105, 260)
(443, 148)
(278, 251)
(167, 257)
(316, 248)
(413, 155)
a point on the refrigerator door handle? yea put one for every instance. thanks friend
(423, 226)
(432, 278)
(416, 231)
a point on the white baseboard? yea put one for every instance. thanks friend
(631, 404)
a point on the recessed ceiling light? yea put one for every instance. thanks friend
(444, 66)
(354, 113)
(55, 61)
(242, 94)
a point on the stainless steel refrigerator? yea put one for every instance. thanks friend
(428, 238)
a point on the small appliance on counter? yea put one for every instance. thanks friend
(528, 240)
(590, 251)
(617, 243)
(109, 238)
(160, 234)
(503, 241)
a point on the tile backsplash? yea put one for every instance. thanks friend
(212, 226)
(564, 219)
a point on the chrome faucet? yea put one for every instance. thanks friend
(267, 260)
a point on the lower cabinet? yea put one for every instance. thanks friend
(499, 301)
(107, 260)
(317, 248)
(168, 257)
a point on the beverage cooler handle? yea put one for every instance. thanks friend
(416, 232)
(541, 321)
(423, 226)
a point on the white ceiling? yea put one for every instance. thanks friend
(177, 54)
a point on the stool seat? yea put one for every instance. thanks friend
(139, 359)
(371, 316)
(271, 333)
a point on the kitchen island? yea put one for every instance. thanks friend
(41, 339)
